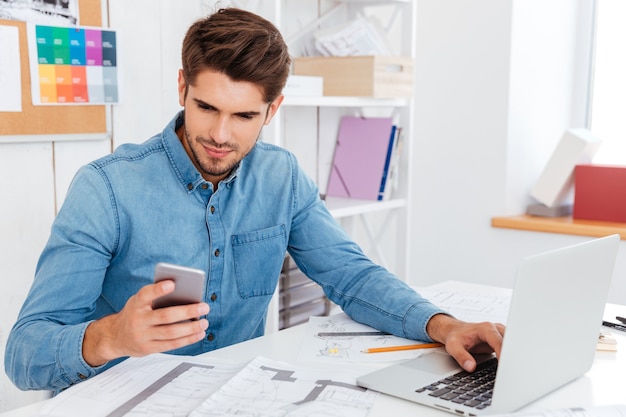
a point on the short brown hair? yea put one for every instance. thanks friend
(241, 45)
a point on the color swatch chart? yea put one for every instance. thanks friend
(73, 65)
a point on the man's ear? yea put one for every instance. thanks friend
(273, 108)
(182, 88)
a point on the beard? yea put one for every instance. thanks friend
(211, 166)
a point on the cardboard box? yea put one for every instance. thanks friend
(600, 193)
(367, 76)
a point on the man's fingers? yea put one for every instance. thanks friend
(170, 332)
(475, 338)
(491, 335)
(465, 359)
(151, 292)
(176, 314)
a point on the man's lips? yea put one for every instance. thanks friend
(217, 152)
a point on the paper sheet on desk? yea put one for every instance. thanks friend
(167, 385)
(266, 387)
(348, 348)
(470, 302)
(159, 384)
(590, 411)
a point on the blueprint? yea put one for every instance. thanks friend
(270, 388)
(470, 302)
(160, 384)
(174, 386)
(318, 346)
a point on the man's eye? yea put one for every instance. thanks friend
(246, 116)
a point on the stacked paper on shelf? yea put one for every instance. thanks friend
(304, 85)
(361, 36)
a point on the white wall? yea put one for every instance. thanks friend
(496, 86)
(462, 93)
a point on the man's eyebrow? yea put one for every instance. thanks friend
(202, 103)
(240, 113)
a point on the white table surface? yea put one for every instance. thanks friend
(602, 385)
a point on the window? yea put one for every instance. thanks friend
(608, 97)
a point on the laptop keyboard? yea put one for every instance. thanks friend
(470, 389)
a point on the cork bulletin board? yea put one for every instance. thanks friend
(53, 120)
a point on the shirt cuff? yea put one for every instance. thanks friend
(417, 319)
(70, 355)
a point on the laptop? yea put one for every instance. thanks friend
(552, 329)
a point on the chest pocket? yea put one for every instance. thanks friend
(258, 258)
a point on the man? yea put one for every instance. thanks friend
(205, 194)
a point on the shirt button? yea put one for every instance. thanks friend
(213, 297)
(190, 186)
(210, 337)
(205, 186)
(217, 252)
(212, 209)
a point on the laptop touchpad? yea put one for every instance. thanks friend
(435, 363)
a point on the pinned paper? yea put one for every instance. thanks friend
(10, 79)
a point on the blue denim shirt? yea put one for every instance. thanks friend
(147, 203)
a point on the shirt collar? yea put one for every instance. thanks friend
(186, 171)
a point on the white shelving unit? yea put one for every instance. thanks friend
(308, 125)
(347, 207)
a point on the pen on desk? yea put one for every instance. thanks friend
(405, 347)
(326, 334)
(614, 325)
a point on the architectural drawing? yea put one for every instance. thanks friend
(269, 388)
(348, 348)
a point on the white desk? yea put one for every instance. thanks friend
(602, 385)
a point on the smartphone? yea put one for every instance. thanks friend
(189, 285)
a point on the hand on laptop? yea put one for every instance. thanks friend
(461, 339)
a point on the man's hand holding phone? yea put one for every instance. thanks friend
(145, 326)
(189, 285)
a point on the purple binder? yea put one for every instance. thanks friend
(359, 159)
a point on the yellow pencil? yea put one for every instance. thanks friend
(405, 347)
